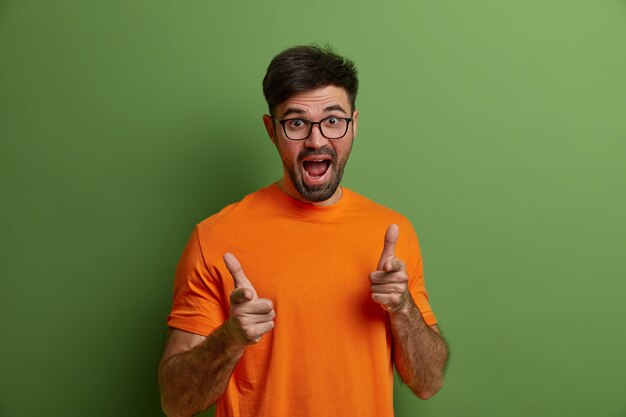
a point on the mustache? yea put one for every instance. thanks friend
(323, 151)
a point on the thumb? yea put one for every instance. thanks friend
(236, 271)
(391, 237)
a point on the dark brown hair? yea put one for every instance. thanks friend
(306, 67)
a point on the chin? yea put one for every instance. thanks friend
(318, 192)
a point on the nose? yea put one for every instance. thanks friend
(315, 140)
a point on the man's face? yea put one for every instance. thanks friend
(313, 166)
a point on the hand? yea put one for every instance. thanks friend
(390, 281)
(250, 316)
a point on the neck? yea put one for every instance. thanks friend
(287, 187)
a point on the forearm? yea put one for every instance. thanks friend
(194, 380)
(420, 353)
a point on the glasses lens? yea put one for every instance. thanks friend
(297, 129)
(334, 127)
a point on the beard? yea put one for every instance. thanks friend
(321, 192)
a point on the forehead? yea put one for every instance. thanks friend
(316, 101)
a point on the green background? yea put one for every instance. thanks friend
(497, 127)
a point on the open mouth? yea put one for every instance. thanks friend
(316, 167)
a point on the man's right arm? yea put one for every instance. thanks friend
(195, 370)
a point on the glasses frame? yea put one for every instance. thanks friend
(311, 123)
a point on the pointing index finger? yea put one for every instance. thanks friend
(391, 237)
(235, 269)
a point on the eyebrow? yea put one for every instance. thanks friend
(295, 110)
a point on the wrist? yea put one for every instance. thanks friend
(406, 309)
(233, 342)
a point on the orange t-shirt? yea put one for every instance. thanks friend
(330, 352)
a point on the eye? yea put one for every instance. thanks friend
(296, 124)
(334, 122)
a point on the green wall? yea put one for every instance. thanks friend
(497, 127)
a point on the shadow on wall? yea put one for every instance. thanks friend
(209, 171)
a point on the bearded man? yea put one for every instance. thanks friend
(298, 300)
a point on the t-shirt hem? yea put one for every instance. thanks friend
(189, 325)
(429, 319)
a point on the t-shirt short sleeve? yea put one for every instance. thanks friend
(198, 304)
(417, 287)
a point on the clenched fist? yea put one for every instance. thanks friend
(390, 282)
(250, 316)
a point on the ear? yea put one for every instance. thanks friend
(268, 121)
(355, 121)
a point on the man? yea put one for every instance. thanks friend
(299, 299)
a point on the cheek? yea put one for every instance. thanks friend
(288, 151)
(343, 149)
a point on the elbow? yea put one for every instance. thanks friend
(175, 403)
(425, 392)
(170, 409)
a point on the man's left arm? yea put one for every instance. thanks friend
(420, 352)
